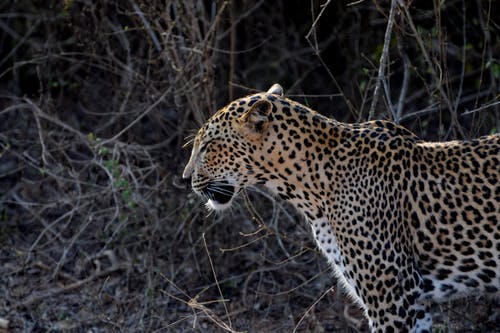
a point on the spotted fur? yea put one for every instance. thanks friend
(401, 220)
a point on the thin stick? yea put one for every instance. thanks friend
(383, 60)
(75, 285)
(42, 141)
(487, 46)
(31, 105)
(136, 120)
(217, 281)
(404, 88)
(151, 33)
(464, 54)
(429, 62)
(314, 45)
(310, 308)
(232, 46)
(486, 106)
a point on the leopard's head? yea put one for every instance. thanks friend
(229, 149)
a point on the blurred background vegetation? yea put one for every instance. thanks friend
(98, 233)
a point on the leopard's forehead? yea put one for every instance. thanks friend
(237, 107)
(225, 116)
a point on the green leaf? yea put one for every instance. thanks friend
(119, 183)
(103, 151)
(112, 166)
(495, 68)
(126, 195)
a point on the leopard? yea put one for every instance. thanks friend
(403, 222)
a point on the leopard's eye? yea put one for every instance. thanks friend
(204, 147)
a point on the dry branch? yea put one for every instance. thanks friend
(383, 60)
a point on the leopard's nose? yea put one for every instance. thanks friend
(186, 174)
(188, 170)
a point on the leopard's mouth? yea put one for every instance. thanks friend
(218, 193)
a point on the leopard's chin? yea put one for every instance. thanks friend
(215, 205)
(219, 194)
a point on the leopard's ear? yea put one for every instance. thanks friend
(276, 89)
(256, 118)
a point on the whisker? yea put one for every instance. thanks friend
(220, 182)
(220, 190)
(188, 143)
(192, 133)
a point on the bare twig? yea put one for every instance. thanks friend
(481, 108)
(464, 59)
(430, 65)
(310, 308)
(435, 107)
(232, 47)
(487, 49)
(54, 120)
(69, 287)
(216, 281)
(315, 46)
(383, 59)
(404, 88)
(260, 222)
(145, 21)
(42, 141)
(136, 120)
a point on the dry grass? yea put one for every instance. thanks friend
(98, 232)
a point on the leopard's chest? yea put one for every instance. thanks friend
(326, 241)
